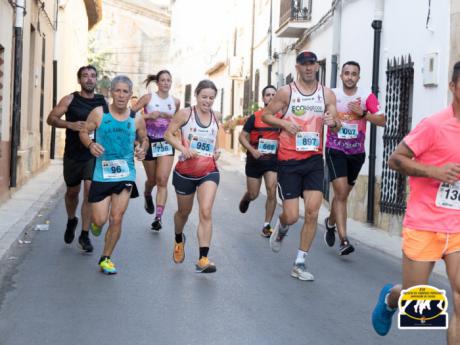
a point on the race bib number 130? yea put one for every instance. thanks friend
(448, 196)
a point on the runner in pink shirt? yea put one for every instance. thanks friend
(429, 154)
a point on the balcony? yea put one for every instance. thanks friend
(294, 17)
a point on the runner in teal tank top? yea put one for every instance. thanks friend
(115, 147)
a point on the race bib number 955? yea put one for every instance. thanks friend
(203, 146)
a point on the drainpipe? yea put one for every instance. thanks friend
(55, 71)
(377, 26)
(270, 38)
(251, 61)
(337, 29)
(17, 86)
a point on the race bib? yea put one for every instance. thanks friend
(448, 196)
(117, 168)
(267, 146)
(161, 148)
(307, 141)
(203, 146)
(348, 131)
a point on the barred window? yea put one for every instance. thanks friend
(398, 109)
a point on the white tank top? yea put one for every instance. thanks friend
(200, 138)
(157, 128)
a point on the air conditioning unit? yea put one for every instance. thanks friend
(236, 67)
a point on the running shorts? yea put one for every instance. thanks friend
(186, 185)
(342, 165)
(101, 190)
(77, 171)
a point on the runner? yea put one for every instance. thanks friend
(114, 173)
(159, 108)
(78, 161)
(307, 106)
(261, 143)
(345, 150)
(429, 155)
(196, 170)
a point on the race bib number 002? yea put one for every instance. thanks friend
(348, 131)
(203, 146)
(448, 196)
(113, 169)
(161, 148)
(307, 141)
(267, 146)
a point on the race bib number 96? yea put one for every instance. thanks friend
(115, 169)
(448, 196)
(307, 141)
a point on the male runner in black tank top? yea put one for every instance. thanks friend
(78, 161)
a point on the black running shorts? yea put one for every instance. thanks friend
(295, 177)
(186, 185)
(77, 171)
(257, 169)
(101, 190)
(343, 165)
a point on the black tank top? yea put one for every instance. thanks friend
(79, 110)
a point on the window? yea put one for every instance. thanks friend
(400, 80)
(321, 74)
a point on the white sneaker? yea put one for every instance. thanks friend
(299, 271)
(277, 237)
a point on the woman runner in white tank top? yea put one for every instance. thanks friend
(196, 172)
(158, 108)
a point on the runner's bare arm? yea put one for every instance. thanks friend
(330, 116)
(142, 102)
(376, 119)
(402, 161)
(92, 122)
(217, 149)
(54, 117)
(171, 134)
(142, 138)
(279, 103)
(244, 140)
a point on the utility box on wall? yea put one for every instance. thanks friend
(430, 69)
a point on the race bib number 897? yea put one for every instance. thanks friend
(307, 141)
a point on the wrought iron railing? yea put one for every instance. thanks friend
(295, 10)
(400, 79)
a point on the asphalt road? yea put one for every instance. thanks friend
(51, 293)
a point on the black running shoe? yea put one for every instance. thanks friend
(346, 247)
(85, 244)
(244, 205)
(329, 234)
(156, 225)
(148, 204)
(69, 234)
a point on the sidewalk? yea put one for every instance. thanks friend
(359, 233)
(18, 214)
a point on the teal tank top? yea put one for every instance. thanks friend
(117, 137)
